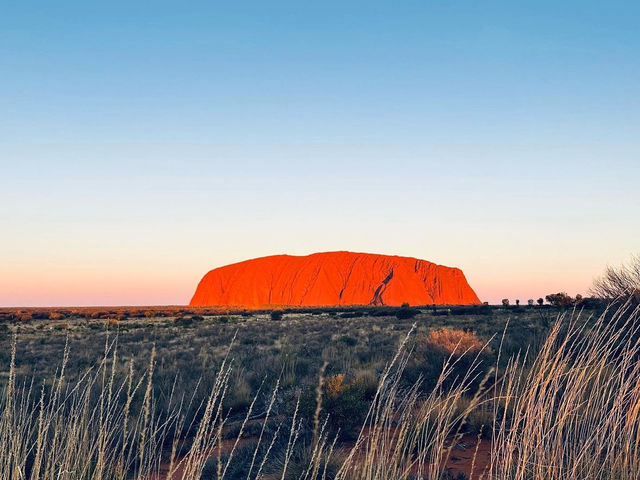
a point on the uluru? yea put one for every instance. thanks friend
(333, 279)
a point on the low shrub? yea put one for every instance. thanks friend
(471, 310)
(452, 340)
(349, 341)
(184, 321)
(404, 313)
(346, 406)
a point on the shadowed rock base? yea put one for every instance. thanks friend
(333, 278)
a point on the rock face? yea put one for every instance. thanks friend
(333, 278)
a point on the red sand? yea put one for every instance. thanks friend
(333, 278)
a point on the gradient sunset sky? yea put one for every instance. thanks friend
(144, 143)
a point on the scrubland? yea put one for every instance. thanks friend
(480, 392)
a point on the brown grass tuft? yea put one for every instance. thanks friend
(452, 340)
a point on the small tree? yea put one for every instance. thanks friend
(619, 284)
(560, 299)
(505, 302)
(517, 302)
(530, 302)
(540, 301)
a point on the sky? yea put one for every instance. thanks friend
(145, 143)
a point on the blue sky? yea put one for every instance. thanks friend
(142, 144)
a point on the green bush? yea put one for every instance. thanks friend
(184, 321)
(404, 313)
(349, 341)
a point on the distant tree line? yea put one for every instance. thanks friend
(561, 299)
(616, 285)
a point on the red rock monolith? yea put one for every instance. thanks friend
(332, 279)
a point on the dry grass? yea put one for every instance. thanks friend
(574, 413)
(571, 412)
(335, 385)
(452, 340)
